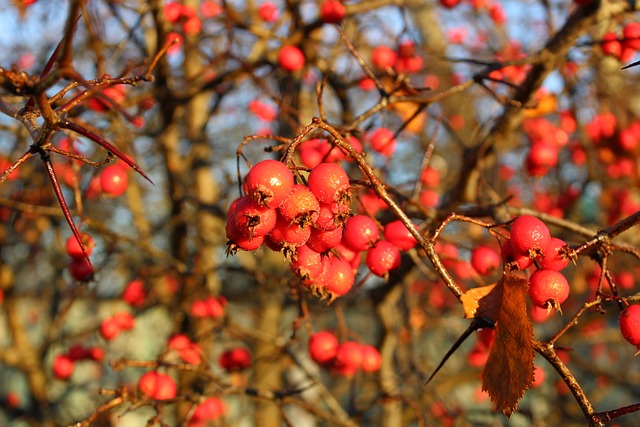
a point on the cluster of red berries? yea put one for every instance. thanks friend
(405, 59)
(64, 364)
(80, 267)
(312, 225)
(157, 386)
(111, 326)
(530, 241)
(190, 352)
(622, 49)
(345, 358)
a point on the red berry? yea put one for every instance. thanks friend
(63, 367)
(332, 216)
(542, 157)
(510, 256)
(81, 269)
(555, 256)
(529, 236)
(329, 182)
(631, 33)
(291, 58)
(289, 234)
(384, 57)
(371, 358)
(321, 241)
(268, 11)
(238, 240)
(323, 347)
(307, 263)
(382, 258)
(337, 276)
(383, 141)
(348, 358)
(73, 247)
(301, 206)
(268, 183)
(96, 353)
(485, 260)
(449, 4)
(124, 320)
(332, 12)
(109, 328)
(210, 409)
(548, 288)
(77, 352)
(360, 233)
(235, 359)
(114, 180)
(430, 177)
(611, 45)
(134, 293)
(630, 324)
(398, 234)
(252, 219)
(429, 198)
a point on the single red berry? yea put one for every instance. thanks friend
(529, 236)
(371, 358)
(631, 33)
(360, 233)
(252, 219)
(286, 233)
(332, 216)
(383, 57)
(430, 177)
(81, 269)
(134, 293)
(398, 234)
(323, 347)
(124, 320)
(291, 58)
(96, 353)
(555, 256)
(542, 157)
(382, 258)
(485, 260)
(548, 288)
(307, 263)
(109, 328)
(332, 12)
(114, 180)
(329, 183)
(348, 358)
(337, 276)
(510, 256)
(77, 352)
(630, 324)
(235, 359)
(268, 183)
(383, 141)
(610, 45)
(321, 241)
(268, 11)
(210, 409)
(238, 240)
(449, 4)
(73, 247)
(63, 367)
(300, 206)
(429, 198)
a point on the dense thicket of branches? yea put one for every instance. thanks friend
(499, 109)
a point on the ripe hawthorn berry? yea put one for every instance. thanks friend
(235, 359)
(252, 219)
(323, 347)
(81, 269)
(383, 141)
(548, 288)
(510, 256)
(360, 233)
(332, 12)
(291, 58)
(630, 324)
(383, 257)
(321, 241)
(371, 358)
(383, 57)
(300, 206)
(348, 358)
(307, 263)
(268, 11)
(288, 234)
(337, 277)
(268, 183)
(332, 216)
(398, 234)
(529, 236)
(210, 409)
(238, 240)
(555, 256)
(134, 293)
(63, 367)
(114, 180)
(329, 183)
(73, 247)
(485, 260)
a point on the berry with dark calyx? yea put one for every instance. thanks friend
(382, 258)
(268, 183)
(286, 233)
(485, 260)
(556, 256)
(323, 347)
(630, 324)
(360, 233)
(301, 206)
(332, 216)
(238, 240)
(398, 234)
(548, 289)
(529, 236)
(252, 219)
(307, 263)
(509, 256)
(337, 277)
(329, 183)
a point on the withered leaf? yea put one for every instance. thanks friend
(481, 302)
(508, 372)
